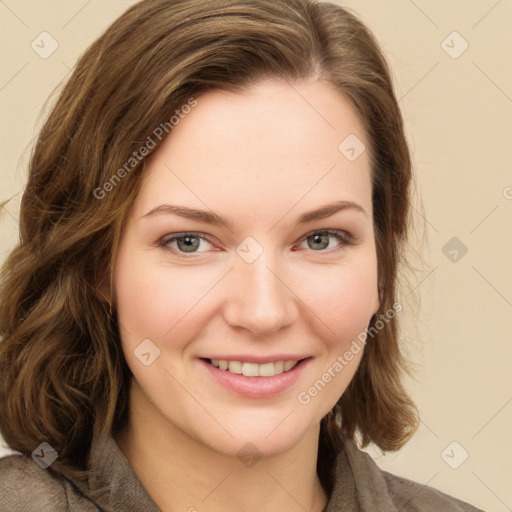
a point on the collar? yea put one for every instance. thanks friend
(114, 485)
(359, 484)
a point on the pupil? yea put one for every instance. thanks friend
(317, 239)
(189, 244)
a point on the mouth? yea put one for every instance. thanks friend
(255, 379)
(250, 369)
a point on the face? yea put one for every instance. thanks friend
(255, 279)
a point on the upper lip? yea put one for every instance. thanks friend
(246, 358)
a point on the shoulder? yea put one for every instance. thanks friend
(415, 497)
(25, 486)
(380, 490)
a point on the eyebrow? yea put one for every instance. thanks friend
(209, 217)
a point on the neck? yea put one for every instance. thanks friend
(181, 473)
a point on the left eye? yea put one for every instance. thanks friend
(189, 243)
(320, 239)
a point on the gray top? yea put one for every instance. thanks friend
(360, 486)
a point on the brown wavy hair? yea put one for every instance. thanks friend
(63, 377)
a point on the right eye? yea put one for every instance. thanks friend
(181, 244)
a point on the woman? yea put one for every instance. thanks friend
(201, 312)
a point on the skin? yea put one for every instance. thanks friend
(260, 159)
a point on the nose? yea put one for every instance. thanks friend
(259, 298)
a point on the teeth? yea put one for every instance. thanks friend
(266, 370)
(235, 367)
(288, 365)
(254, 369)
(250, 369)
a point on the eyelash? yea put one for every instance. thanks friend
(343, 237)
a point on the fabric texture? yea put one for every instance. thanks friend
(360, 486)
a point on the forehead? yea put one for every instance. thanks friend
(275, 144)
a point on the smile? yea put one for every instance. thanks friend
(253, 379)
(253, 369)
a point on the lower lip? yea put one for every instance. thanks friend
(256, 387)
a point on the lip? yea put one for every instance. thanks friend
(255, 387)
(258, 359)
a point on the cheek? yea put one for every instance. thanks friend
(153, 304)
(344, 300)
(150, 299)
(138, 299)
(344, 305)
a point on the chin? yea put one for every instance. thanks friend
(263, 434)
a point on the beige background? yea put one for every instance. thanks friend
(458, 113)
